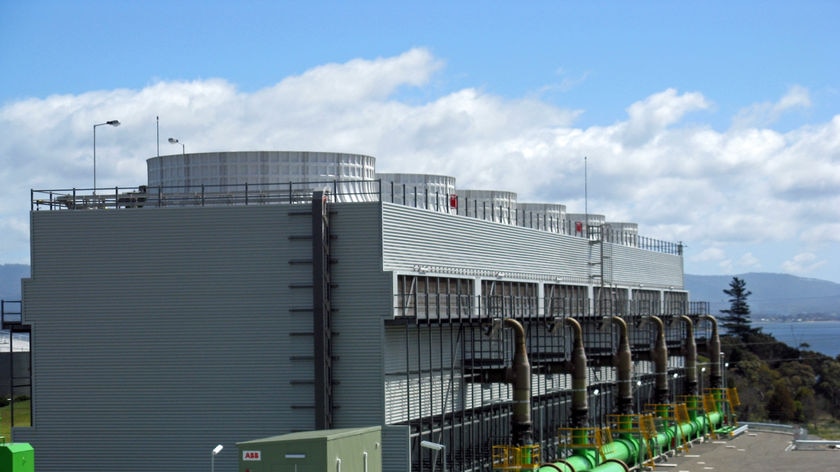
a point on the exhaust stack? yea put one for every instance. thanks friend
(690, 356)
(519, 375)
(715, 377)
(624, 368)
(660, 362)
(580, 403)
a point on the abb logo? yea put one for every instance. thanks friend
(251, 456)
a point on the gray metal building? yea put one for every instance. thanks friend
(159, 331)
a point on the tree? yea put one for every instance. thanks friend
(828, 385)
(737, 317)
(781, 405)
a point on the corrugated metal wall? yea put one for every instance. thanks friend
(160, 333)
(362, 299)
(416, 237)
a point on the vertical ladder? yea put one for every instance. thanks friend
(322, 310)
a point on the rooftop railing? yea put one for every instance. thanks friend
(143, 196)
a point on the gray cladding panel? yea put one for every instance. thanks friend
(361, 300)
(170, 328)
(630, 265)
(416, 237)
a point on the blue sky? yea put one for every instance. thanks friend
(712, 123)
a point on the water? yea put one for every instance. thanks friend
(822, 336)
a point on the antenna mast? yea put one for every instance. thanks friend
(586, 192)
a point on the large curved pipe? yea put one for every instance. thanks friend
(715, 377)
(580, 402)
(627, 450)
(624, 368)
(519, 375)
(690, 356)
(660, 362)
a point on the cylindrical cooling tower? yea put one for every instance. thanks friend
(581, 224)
(626, 234)
(491, 205)
(432, 192)
(545, 216)
(349, 177)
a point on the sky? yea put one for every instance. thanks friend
(714, 123)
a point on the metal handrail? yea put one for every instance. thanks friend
(301, 193)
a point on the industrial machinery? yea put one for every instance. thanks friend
(631, 438)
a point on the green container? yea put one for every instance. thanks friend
(347, 450)
(17, 457)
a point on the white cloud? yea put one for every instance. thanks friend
(355, 81)
(803, 264)
(748, 262)
(649, 117)
(726, 266)
(709, 254)
(680, 182)
(765, 114)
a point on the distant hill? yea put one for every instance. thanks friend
(772, 294)
(10, 275)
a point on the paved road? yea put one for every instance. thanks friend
(752, 451)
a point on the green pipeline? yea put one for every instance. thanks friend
(627, 451)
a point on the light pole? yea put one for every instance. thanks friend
(702, 371)
(674, 389)
(638, 397)
(725, 368)
(435, 447)
(213, 453)
(112, 123)
(183, 148)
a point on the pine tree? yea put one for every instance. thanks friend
(737, 317)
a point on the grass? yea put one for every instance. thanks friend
(826, 429)
(23, 417)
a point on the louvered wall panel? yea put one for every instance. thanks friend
(421, 395)
(424, 347)
(398, 456)
(416, 237)
(423, 375)
(632, 266)
(164, 330)
(643, 367)
(429, 388)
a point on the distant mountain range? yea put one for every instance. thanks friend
(772, 294)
